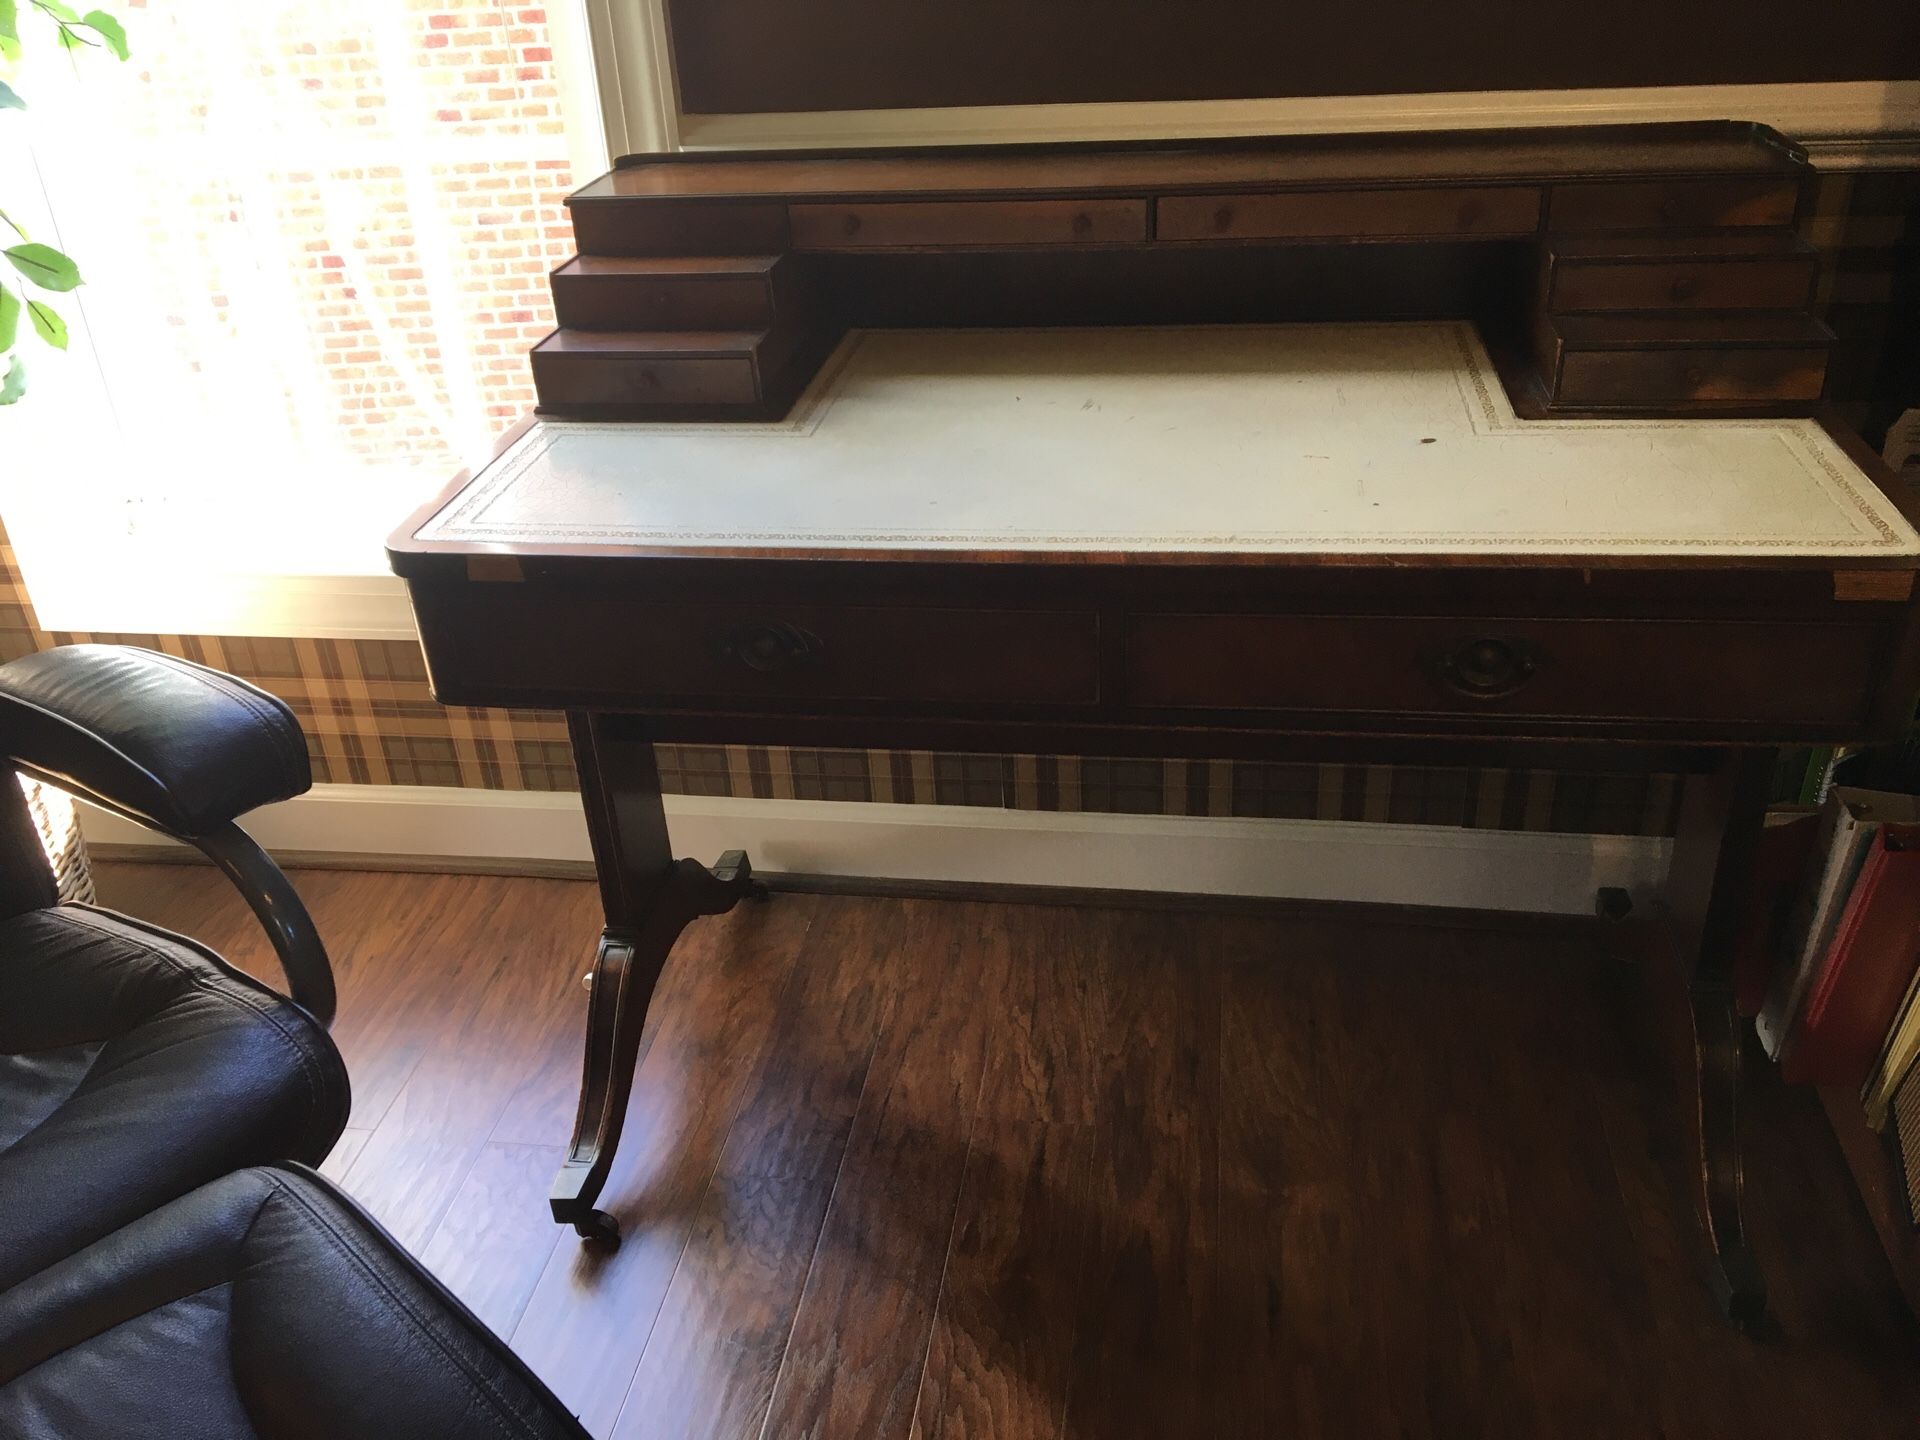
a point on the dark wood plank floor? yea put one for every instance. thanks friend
(939, 1170)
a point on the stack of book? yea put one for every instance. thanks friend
(1831, 973)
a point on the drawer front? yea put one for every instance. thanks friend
(1784, 284)
(1656, 377)
(1493, 210)
(1672, 204)
(635, 302)
(678, 227)
(584, 645)
(904, 225)
(588, 379)
(1792, 673)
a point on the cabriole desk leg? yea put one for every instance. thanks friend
(1708, 886)
(649, 898)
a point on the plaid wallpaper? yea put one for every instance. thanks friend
(370, 720)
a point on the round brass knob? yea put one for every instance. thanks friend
(769, 645)
(1488, 666)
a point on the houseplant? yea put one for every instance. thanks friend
(35, 270)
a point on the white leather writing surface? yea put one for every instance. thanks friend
(1368, 439)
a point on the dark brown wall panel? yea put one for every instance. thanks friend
(738, 56)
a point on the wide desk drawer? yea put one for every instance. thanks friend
(589, 647)
(1680, 670)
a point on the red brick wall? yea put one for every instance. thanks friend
(416, 175)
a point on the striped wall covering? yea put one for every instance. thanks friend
(370, 720)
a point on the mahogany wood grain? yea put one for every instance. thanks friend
(693, 292)
(1630, 379)
(591, 1313)
(680, 228)
(859, 1341)
(791, 650)
(495, 1237)
(1116, 209)
(1144, 1365)
(575, 368)
(1688, 329)
(999, 1363)
(442, 1117)
(1670, 204)
(1747, 283)
(1351, 214)
(963, 223)
(1620, 668)
(1416, 1234)
(710, 1365)
(1456, 156)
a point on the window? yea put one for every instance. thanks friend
(316, 242)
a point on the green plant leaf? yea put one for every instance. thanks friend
(44, 266)
(9, 19)
(15, 384)
(9, 318)
(47, 323)
(10, 98)
(109, 29)
(57, 10)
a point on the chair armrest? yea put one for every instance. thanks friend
(178, 748)
(172, 744)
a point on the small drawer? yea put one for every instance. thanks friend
(1784, 283)
(631, 225)
(1648, 670)
(1660, 377)
(909, 224)
(1357, 214)
(1672, 204)
(564, 379)
(603, 292)
(595, 647)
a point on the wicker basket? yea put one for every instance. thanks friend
(58, 821)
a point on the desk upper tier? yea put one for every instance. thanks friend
(1621, 270)
(1134, 525)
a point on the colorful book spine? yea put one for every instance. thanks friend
(1866, 970)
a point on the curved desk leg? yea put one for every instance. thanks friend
(1720, 821)
(1735, 1275)
(649, 898)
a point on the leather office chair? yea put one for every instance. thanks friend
(135, 1064)
(262, 1305)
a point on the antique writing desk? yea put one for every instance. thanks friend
(1389, 532)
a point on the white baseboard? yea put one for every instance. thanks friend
(1294, 859)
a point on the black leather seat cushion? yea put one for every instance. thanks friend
(263, 1304)
(134, 1066)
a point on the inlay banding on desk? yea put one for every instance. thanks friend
(1282, 439)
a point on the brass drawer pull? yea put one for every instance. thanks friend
(770, 645)
(1487, 667)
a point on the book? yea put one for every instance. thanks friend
(1780, 859)
(1905, 1138)
(1869, 964)
(1896, 1058)
(1848, 820)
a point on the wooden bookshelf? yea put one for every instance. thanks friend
(1879, 1185)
